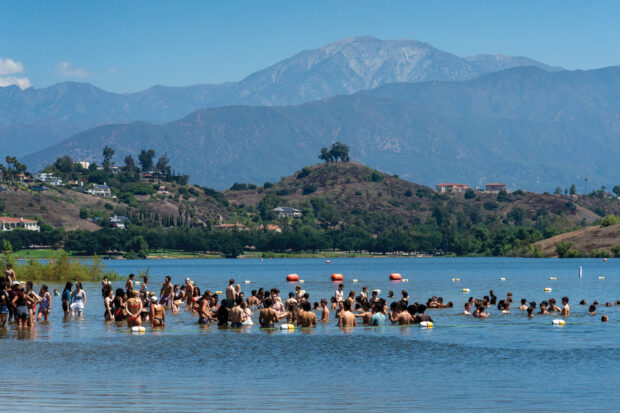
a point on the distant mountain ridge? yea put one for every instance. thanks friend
(41, 117)
(527, 127)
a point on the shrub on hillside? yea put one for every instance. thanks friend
(610, 220)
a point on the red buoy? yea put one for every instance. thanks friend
(396, 277)
(337, 277)
(292, 277)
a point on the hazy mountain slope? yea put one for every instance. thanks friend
(45, 116)
(477, 131)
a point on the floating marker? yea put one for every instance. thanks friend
(503, 279)
(465, 290)
(548, 290)
(558, 322)
(426, 324)
(456, 279)
(136, 329)
(406, 280)
(601, 278)
(287, 327)
(354, 280)
(248, 281)
(553, 278)
(301, 281)
(219, 293)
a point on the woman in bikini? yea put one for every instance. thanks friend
(119, 305)
(34, 300)
(45, 306)
(133, 307)
(158, 313)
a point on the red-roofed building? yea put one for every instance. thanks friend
(271, 227)
(496, 187)
(443, 188)
(9, 224)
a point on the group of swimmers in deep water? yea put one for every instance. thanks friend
(137, 306)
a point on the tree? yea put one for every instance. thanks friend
(162, 167)
(617, 190)
(340, 151)
(573, 189)
(108, 153)
(325, 155)
(146, 160)
(558, 191)
(64, 164)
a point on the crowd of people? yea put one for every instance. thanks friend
(136, 305)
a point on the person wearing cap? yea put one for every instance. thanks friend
(157, 312)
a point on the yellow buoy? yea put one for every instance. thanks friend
(456, 279)
(354, 280)
(465, 290)
(547, 290)
(553, 278)
(601, 278)
(301, 281)
(503, 279)
(558, 322)
(426, 324)
(406, 280)
(218, 292)
(247, 281)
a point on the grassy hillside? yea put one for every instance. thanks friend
(588, 241)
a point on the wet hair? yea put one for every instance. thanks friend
(315, 305)
(78, 284)
(291, 294)
(421, 308)
(565, 299)
(231, 281)
(323, 301)
(404, 294)
(607, 304)
(119, 292)
(533, 304)
(168, 278)
(44, 287)
(306, 306)
(268, 302)
(347, 305)
(467, 304)
(412, 309)
(595, 302)
(592, 308)
(604, 319)
(450, 304)
(340, 285)
(582, 302)
(254, 292)
(530, 310)
(132, 275)
(523, 301)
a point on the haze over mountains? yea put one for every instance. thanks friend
(421, 113)
(528, 127)
(40, 117)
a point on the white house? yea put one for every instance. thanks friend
(287, 212)
(47, 178)
(9, 224)
(118, 222)
(100, 190)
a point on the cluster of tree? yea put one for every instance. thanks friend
(338, 151)
(12, 169)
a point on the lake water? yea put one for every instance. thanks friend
(507, 361)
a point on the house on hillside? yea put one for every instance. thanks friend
(445, 188)
(118, 222)
(47, 178)
(496, 187)
(271, 227)
(9, 224)
(100, 190)
(24, 179)
(287, 212)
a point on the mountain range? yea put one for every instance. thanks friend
(36, 118)
(528, 127)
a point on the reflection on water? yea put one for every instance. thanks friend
(506, 361)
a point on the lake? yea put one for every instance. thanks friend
(505, 362)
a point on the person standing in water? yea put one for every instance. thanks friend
(165, 294)
(45, 305)
(129, 284)
(78, 300)
(133, 307)
(66, 298)
(9, 274)
(5, 302)
(157, 313)
(231, 294)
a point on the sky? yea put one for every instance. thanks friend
(126, 46)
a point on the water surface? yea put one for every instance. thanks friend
(506, 361)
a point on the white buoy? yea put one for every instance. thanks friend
(580, 272)
(426, 324)
(503, 279)
(465, 290)
(248, 281)
(136, 329)
(548, 290)
(559, 322)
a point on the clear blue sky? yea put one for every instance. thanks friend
(126, 46)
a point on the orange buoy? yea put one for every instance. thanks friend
(337, 277)
(292, 277)
(604, 259)
(327, 262)
(395, 277)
